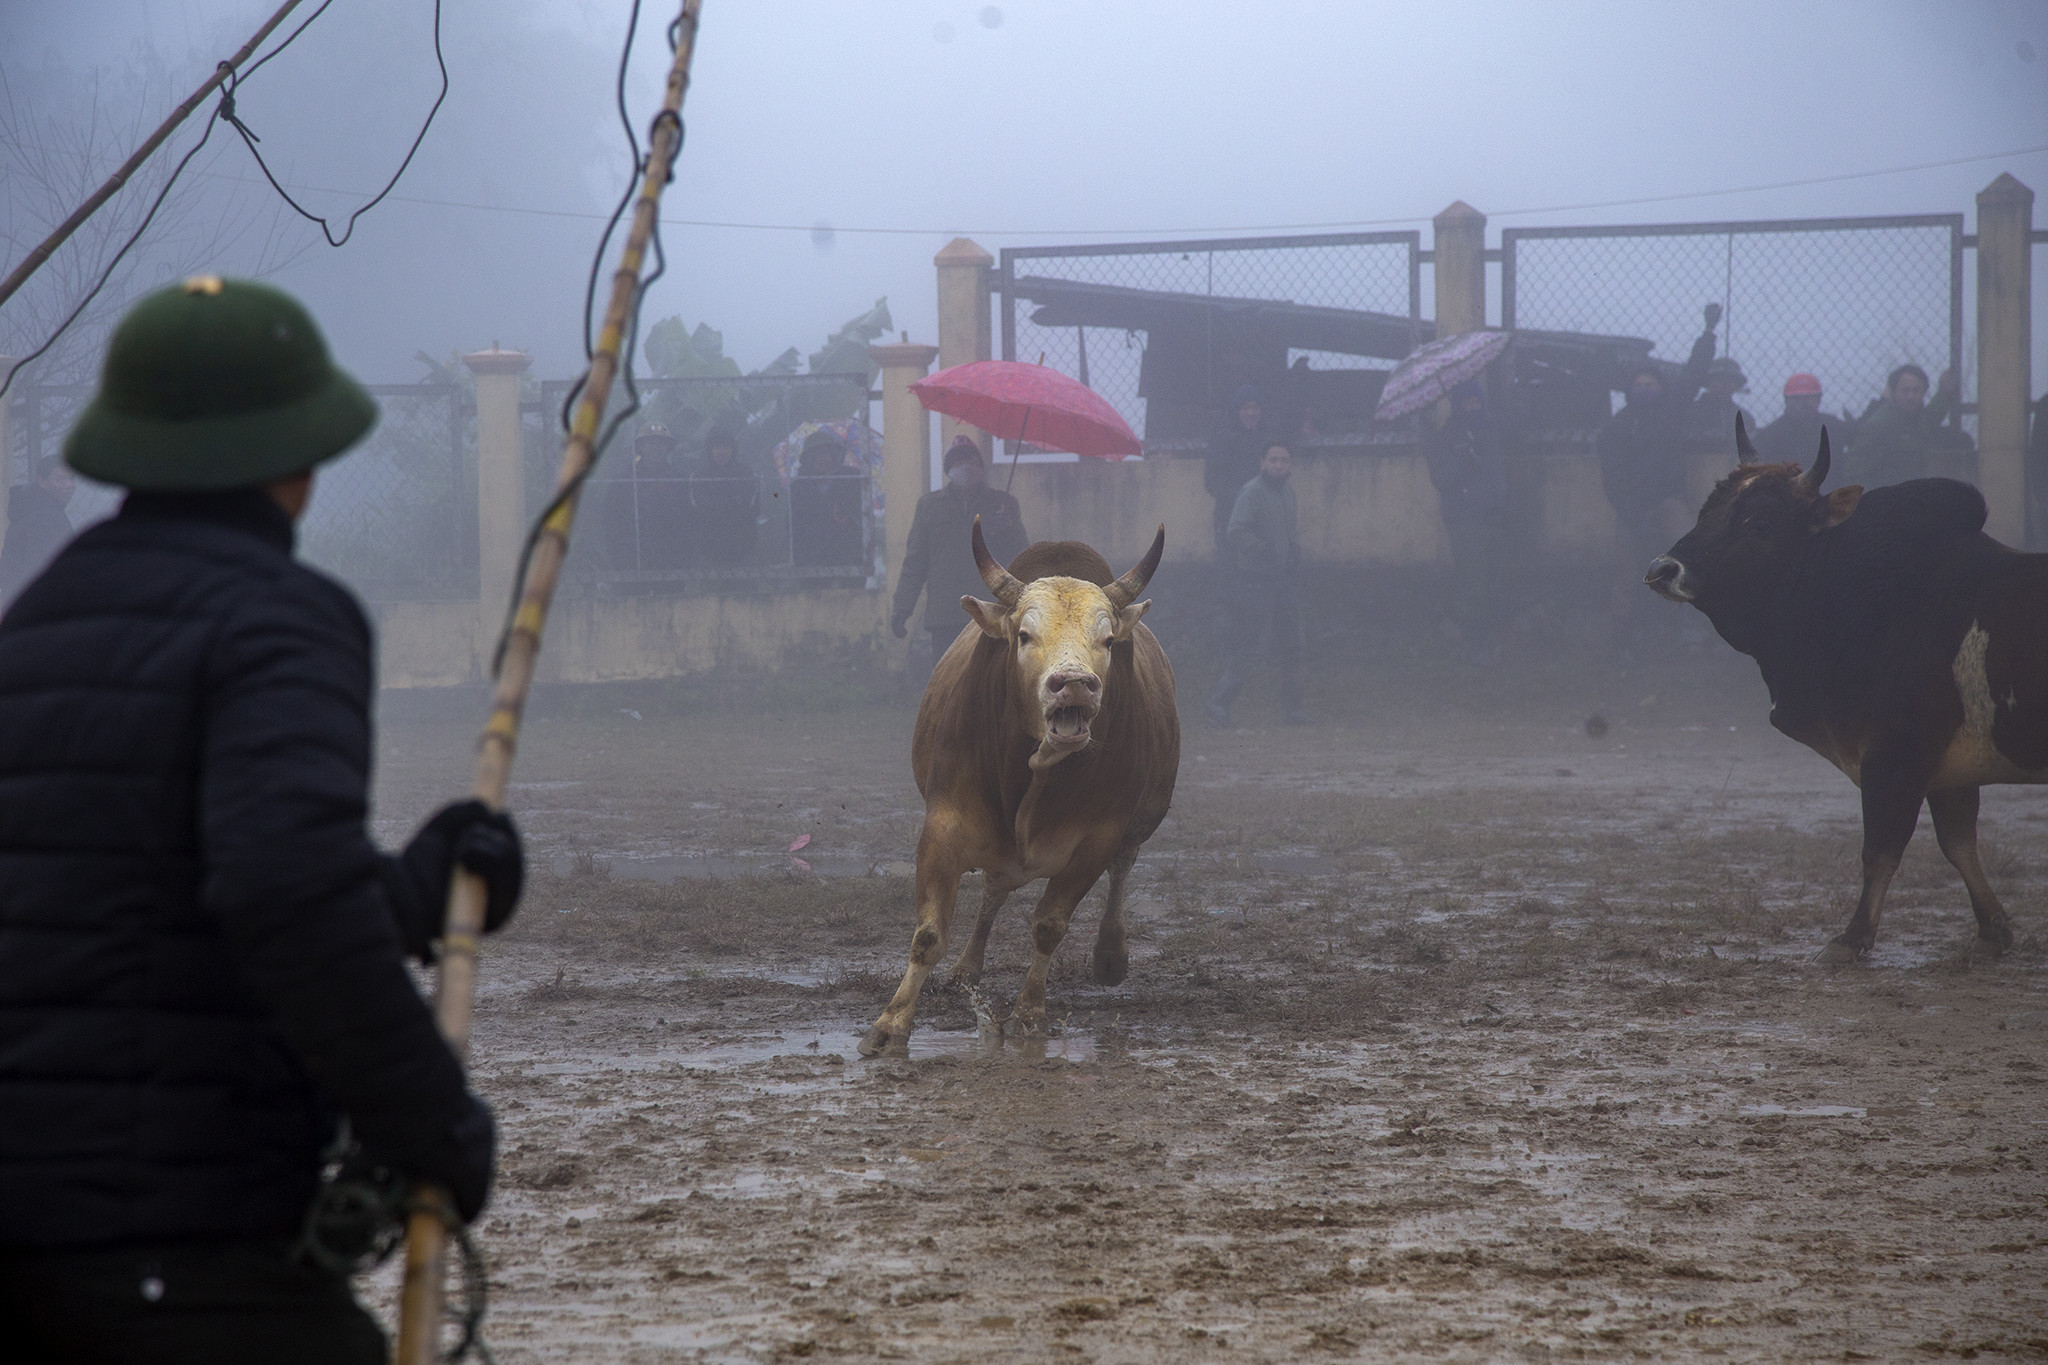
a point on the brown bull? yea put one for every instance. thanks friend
(1046, 746)
(1899, 642)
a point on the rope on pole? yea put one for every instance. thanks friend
(48, 246)
(426, 1263)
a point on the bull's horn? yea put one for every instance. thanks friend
(1000, 580)
(1125, 590)
(1816, 473)
(1745, 453)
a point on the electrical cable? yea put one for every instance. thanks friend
(641, 165)
(224, 111)
(250, 139)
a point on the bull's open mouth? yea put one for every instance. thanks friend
(1067, 724)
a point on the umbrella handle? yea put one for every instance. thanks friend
(1017, 449)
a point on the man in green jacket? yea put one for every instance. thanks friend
(1265, 549)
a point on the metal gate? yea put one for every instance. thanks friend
(1164, 330)
(1845, 299)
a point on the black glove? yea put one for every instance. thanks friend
(899, 626)
(482, 840)
(474, 1138)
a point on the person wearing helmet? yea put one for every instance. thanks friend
(1795, 436)
(1710, 422)
(203, 983)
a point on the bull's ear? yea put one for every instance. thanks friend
(1837, 507)
(1127, 619)
(992, 619)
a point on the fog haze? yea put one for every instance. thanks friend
(1061, 122)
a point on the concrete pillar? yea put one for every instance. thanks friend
(966, 332)
(906, 443)
(1460, 270)
(2005, 220)
(500, 483)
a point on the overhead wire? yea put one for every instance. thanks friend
(641, 164)
(224, 111)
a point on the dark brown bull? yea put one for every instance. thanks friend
(1047, 745)
(1899, 642)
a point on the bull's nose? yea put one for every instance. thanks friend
(1084, 684)
(1666, 578)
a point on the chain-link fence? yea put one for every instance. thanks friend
(796, 502)
(395, 518)
(1166, 330)
(1844, 299)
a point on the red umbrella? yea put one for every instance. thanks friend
(1029, 402)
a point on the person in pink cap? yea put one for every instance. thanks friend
(1795, 436)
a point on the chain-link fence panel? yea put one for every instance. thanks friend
(1844, 299)
(396, 517)
(1165, 331)
(761, 482)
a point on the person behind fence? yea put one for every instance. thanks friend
(1642, 466)
(939, 559)
(1235, 449)
(1462, 447)
(1902, 433)
(203, 980)
(661, 500)
(2037, 478)
(825, 523)
(38, 524)
(725, 502)
(1265, 548)
(1795, 436)
(1710, 423)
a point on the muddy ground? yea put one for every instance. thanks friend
(1451, 1032)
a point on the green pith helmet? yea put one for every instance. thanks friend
(216, 384)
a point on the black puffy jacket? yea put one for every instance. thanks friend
(199, 963)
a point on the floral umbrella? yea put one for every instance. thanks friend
(1431, 372)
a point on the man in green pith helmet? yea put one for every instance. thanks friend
(202, 956)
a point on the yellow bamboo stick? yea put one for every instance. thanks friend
(426, 1247)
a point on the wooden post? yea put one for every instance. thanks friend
(500, 486)
(966, 332)
(7, 364)
(1460, 253)
(2005, 220)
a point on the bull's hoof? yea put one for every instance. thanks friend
(1995, 940)
(1111, 968)
(1842, 951)
(964, 974)
(1024, 1023)
(880, 1040)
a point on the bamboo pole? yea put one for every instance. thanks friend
(48, 246)
(426, 1247)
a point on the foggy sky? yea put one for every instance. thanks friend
(1083, 119)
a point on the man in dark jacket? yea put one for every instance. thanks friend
(1235, 450)
(1900, 434)
(1795, 437)
(1710, 423)
(1642, 466)
(725, 499)
(939, 560)
(202, 955)
(1463, 450)
(37, 525)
